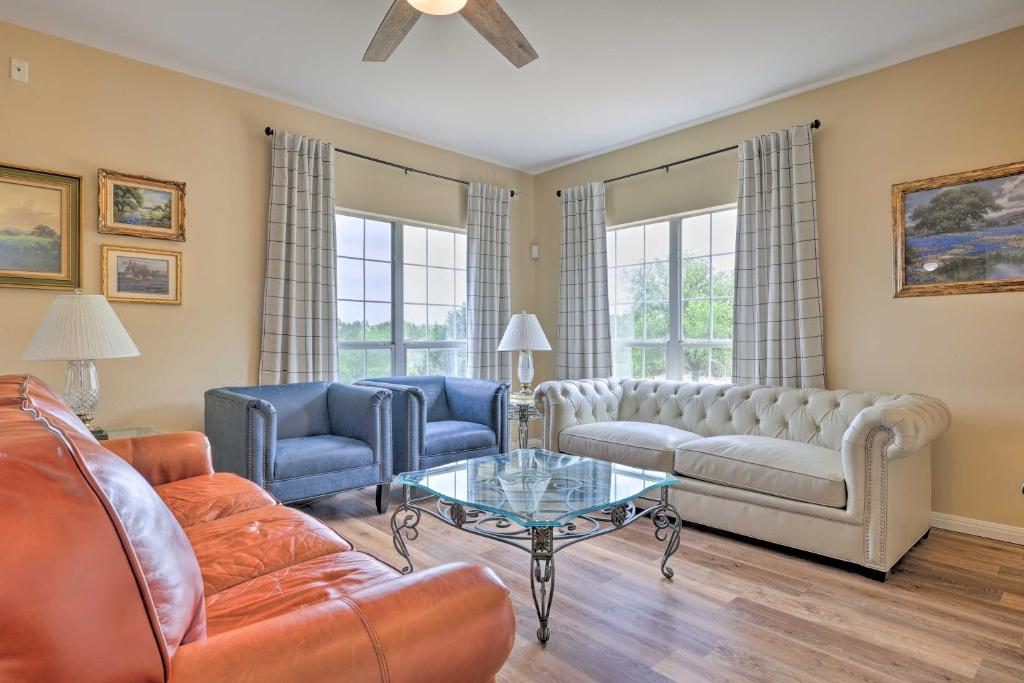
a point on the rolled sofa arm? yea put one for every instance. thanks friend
(243, 434)
(408, 422)
(571, 402)
(453, 624)
(163, 458)
(909, 423)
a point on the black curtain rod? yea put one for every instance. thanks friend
(408, 169)
(665, 167)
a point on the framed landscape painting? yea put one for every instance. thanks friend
(40, 228)
(150, 276)
(141, 207)
(961, 233)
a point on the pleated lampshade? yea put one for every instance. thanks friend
(80, 327)
(524, 333)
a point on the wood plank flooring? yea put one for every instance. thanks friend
(735, 611)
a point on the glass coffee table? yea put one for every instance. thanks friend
(540, 502)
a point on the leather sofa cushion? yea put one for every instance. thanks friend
(311, 455)
(235, 549)
(211, 496)
(449, 436)
(637, 444)
(776, 467)
(301, 585)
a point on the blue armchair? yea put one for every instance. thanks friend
(438, 419)
(301, 441)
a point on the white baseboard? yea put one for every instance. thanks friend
(977, 527)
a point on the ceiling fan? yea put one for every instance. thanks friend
(486, 16)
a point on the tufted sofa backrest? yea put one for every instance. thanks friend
(816, 416)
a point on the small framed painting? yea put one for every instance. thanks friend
(141, 207)
(961, 233)
(150, 276)
(40, 228)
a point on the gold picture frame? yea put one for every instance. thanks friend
(135, 275)
(40, 228)
(140, 206)
(961, 233)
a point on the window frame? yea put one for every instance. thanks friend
(676, 343)
(398, 345)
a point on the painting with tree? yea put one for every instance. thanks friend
(141, 206)
(960, 233)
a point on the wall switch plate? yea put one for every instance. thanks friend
(19, 70)
(534, 252)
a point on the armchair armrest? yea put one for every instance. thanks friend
(408, 422)
(567, 403)
(453, 623)
(480, 401)
(243, 434)
(909, 423)
(162, 458)
(363, 413)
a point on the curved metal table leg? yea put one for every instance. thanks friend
(661, 530)
(410, 517)
(542, 576)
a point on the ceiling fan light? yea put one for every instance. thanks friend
(438, 7)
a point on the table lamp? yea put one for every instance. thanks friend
(80, 328)
(524, 334)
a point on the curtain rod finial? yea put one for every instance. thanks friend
(815, 123)
(268, 130)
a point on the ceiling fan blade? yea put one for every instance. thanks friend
(490, 21)
(396, 26)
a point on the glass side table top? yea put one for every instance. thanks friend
(534, 487)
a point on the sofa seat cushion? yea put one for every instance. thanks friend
(311, 455)
(235, 549)
(449, 436)
(788, 469)
(322, 579)
(637, 444)
(211, 496)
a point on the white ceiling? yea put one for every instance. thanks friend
(610, 72)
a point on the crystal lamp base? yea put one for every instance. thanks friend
(82, 389)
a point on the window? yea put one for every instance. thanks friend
(401, 298)
(670, 288)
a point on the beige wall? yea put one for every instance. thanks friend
(84, 109)
(955, 110)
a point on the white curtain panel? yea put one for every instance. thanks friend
(584, 339)
(777, 329)
(300, 314)
(487, 273)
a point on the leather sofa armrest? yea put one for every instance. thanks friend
(162, 458)
(408, 422)
(567, 403)
(453, 623)
(242, 431)
(481, 401)
(908, 423)
(364, 413)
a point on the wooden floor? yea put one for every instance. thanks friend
(737, 611)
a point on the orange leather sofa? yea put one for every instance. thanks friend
(133, 561)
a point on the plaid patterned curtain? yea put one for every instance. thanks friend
(300, 308)
(487, 272)
(777, 328)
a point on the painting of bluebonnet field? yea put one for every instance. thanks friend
(30, 229)
(971, 232)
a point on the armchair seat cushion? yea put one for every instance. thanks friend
(448, 436)
(211, 496)
(311, 455)
(788, 469)
(638, 444)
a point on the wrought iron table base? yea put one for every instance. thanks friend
(542, 542)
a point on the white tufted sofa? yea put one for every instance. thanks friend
(838, 473)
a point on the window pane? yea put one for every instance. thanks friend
(378, 322)
(656, 283)
(416, 362)
(721, 325)
(626, 321)
(622, 366)
(460, 251)
(440, 286)
(415, 322)
(697, 319)
(441, 361)
(378, 240)
(351, 365)
(657, 242)
(350, 321)
(721, 365)
(462, 362)
(657, 321)
(723, 275)
(460, 288)
(441, 248)
(414, 246)
(723, 231)
(629, 284)
(695, 365)
(378, 281)
(414, 284)
(613, 276)
(378, 363)
(629, 245)
(441, 322)
(350, 278)
(350, 235)
(654, 363)
(696, 236)
(696, 278)
(610, 245)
